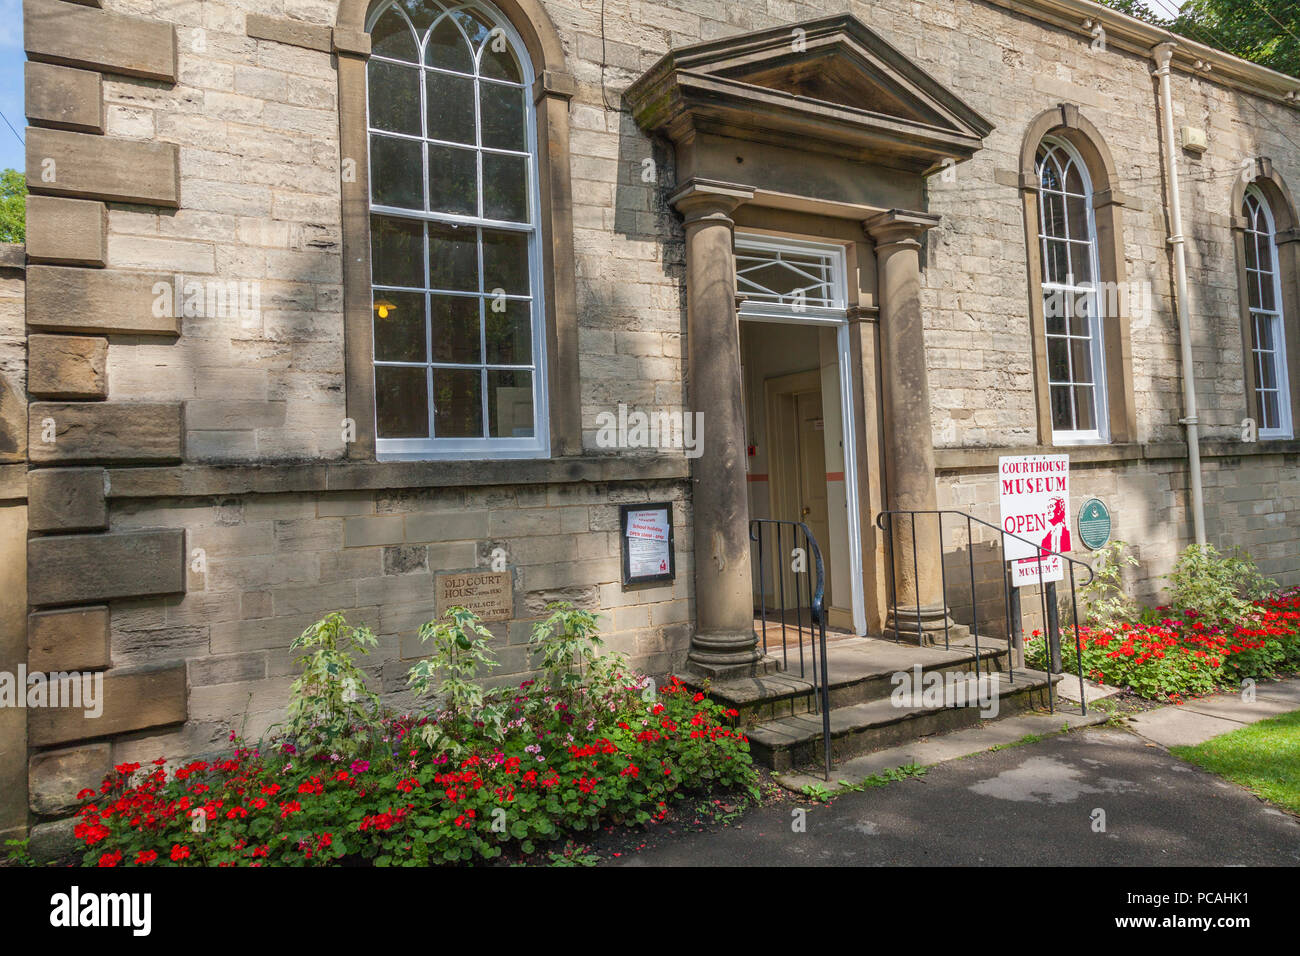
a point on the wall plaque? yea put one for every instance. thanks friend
(489, 594)
(647, 535)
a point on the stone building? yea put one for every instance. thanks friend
(327, 298)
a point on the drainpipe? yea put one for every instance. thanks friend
(1163, 54)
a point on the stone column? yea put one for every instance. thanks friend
(909, 448)
(724, 643)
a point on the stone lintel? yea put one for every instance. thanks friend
(72, 299)
(70, 34)
(67, 367)
(60, 500)
(63, 97)
(67, 231)
(69, 639)
(134, 699)
(309, 36)
(96, 432)
(78, 569)
(85, 166)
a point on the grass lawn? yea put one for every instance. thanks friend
(1264, 758)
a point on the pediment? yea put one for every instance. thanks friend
(832, 84)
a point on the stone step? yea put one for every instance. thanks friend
(859, 670)
(796, 741)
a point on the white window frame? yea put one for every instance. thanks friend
(1090, 287)
(767, 245)
(460, 449)
(1275, 317)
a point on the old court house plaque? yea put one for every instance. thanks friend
(489, 594)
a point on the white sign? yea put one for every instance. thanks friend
(647, 543)
(1024, 573)
(1034, 491)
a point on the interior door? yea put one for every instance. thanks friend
(811, 454)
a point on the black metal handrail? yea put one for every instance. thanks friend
(813, 575)
(1040, 553)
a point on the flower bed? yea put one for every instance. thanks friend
(397, 802)
(1180, 653)
(480, 775)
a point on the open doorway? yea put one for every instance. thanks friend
(797, 453)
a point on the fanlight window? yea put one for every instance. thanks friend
(454, 238)
(1268, 340)
(788, 274)
(1071, 303)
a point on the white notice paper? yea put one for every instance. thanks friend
(647, 543)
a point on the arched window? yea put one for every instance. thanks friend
(455, 257)
(1267, 326)
(1072, 305)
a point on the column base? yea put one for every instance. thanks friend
(721, 655)
(932, 622)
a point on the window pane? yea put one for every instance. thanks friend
(1073, 181)
(509, 331)
(1082, 305)
(499, 61)
(1267, 370)
(1053, 215)
(510, 404)
(1062, 416)
(392, 37)
(505, 262)
(446, 48)
(457, 403)
(503, 115)
(455, 328)
(1269, 414)
(1084, 408)
(475, 27)
(1056, 267)
(399, 326)
(394, 97)
(1055, 302)
(453, 258)
(505, 187)
(1058, 360)
(1252, 259)
(451, 107)
(397, 251)
(452, 180)
(1077, 214)
(1267, 300)
(1264, 333)
(1081, 360)
(395, 172)
(401, 402)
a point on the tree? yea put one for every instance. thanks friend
(1262, 31)
(13, 206)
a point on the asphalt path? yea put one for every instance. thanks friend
(1035, 804)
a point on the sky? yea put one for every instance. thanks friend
(11, 83)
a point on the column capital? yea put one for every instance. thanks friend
(698, 199)
(898, 227)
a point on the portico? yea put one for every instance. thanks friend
(824, 133)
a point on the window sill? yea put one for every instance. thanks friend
(181, 481)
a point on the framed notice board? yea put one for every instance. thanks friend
(646, 533)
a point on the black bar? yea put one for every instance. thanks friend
(974, 607)
(1053, 626)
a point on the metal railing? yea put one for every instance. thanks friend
(1047, 593)
(797, 573)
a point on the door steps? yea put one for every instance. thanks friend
(780, 714)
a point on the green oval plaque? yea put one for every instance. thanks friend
(1094, 524)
